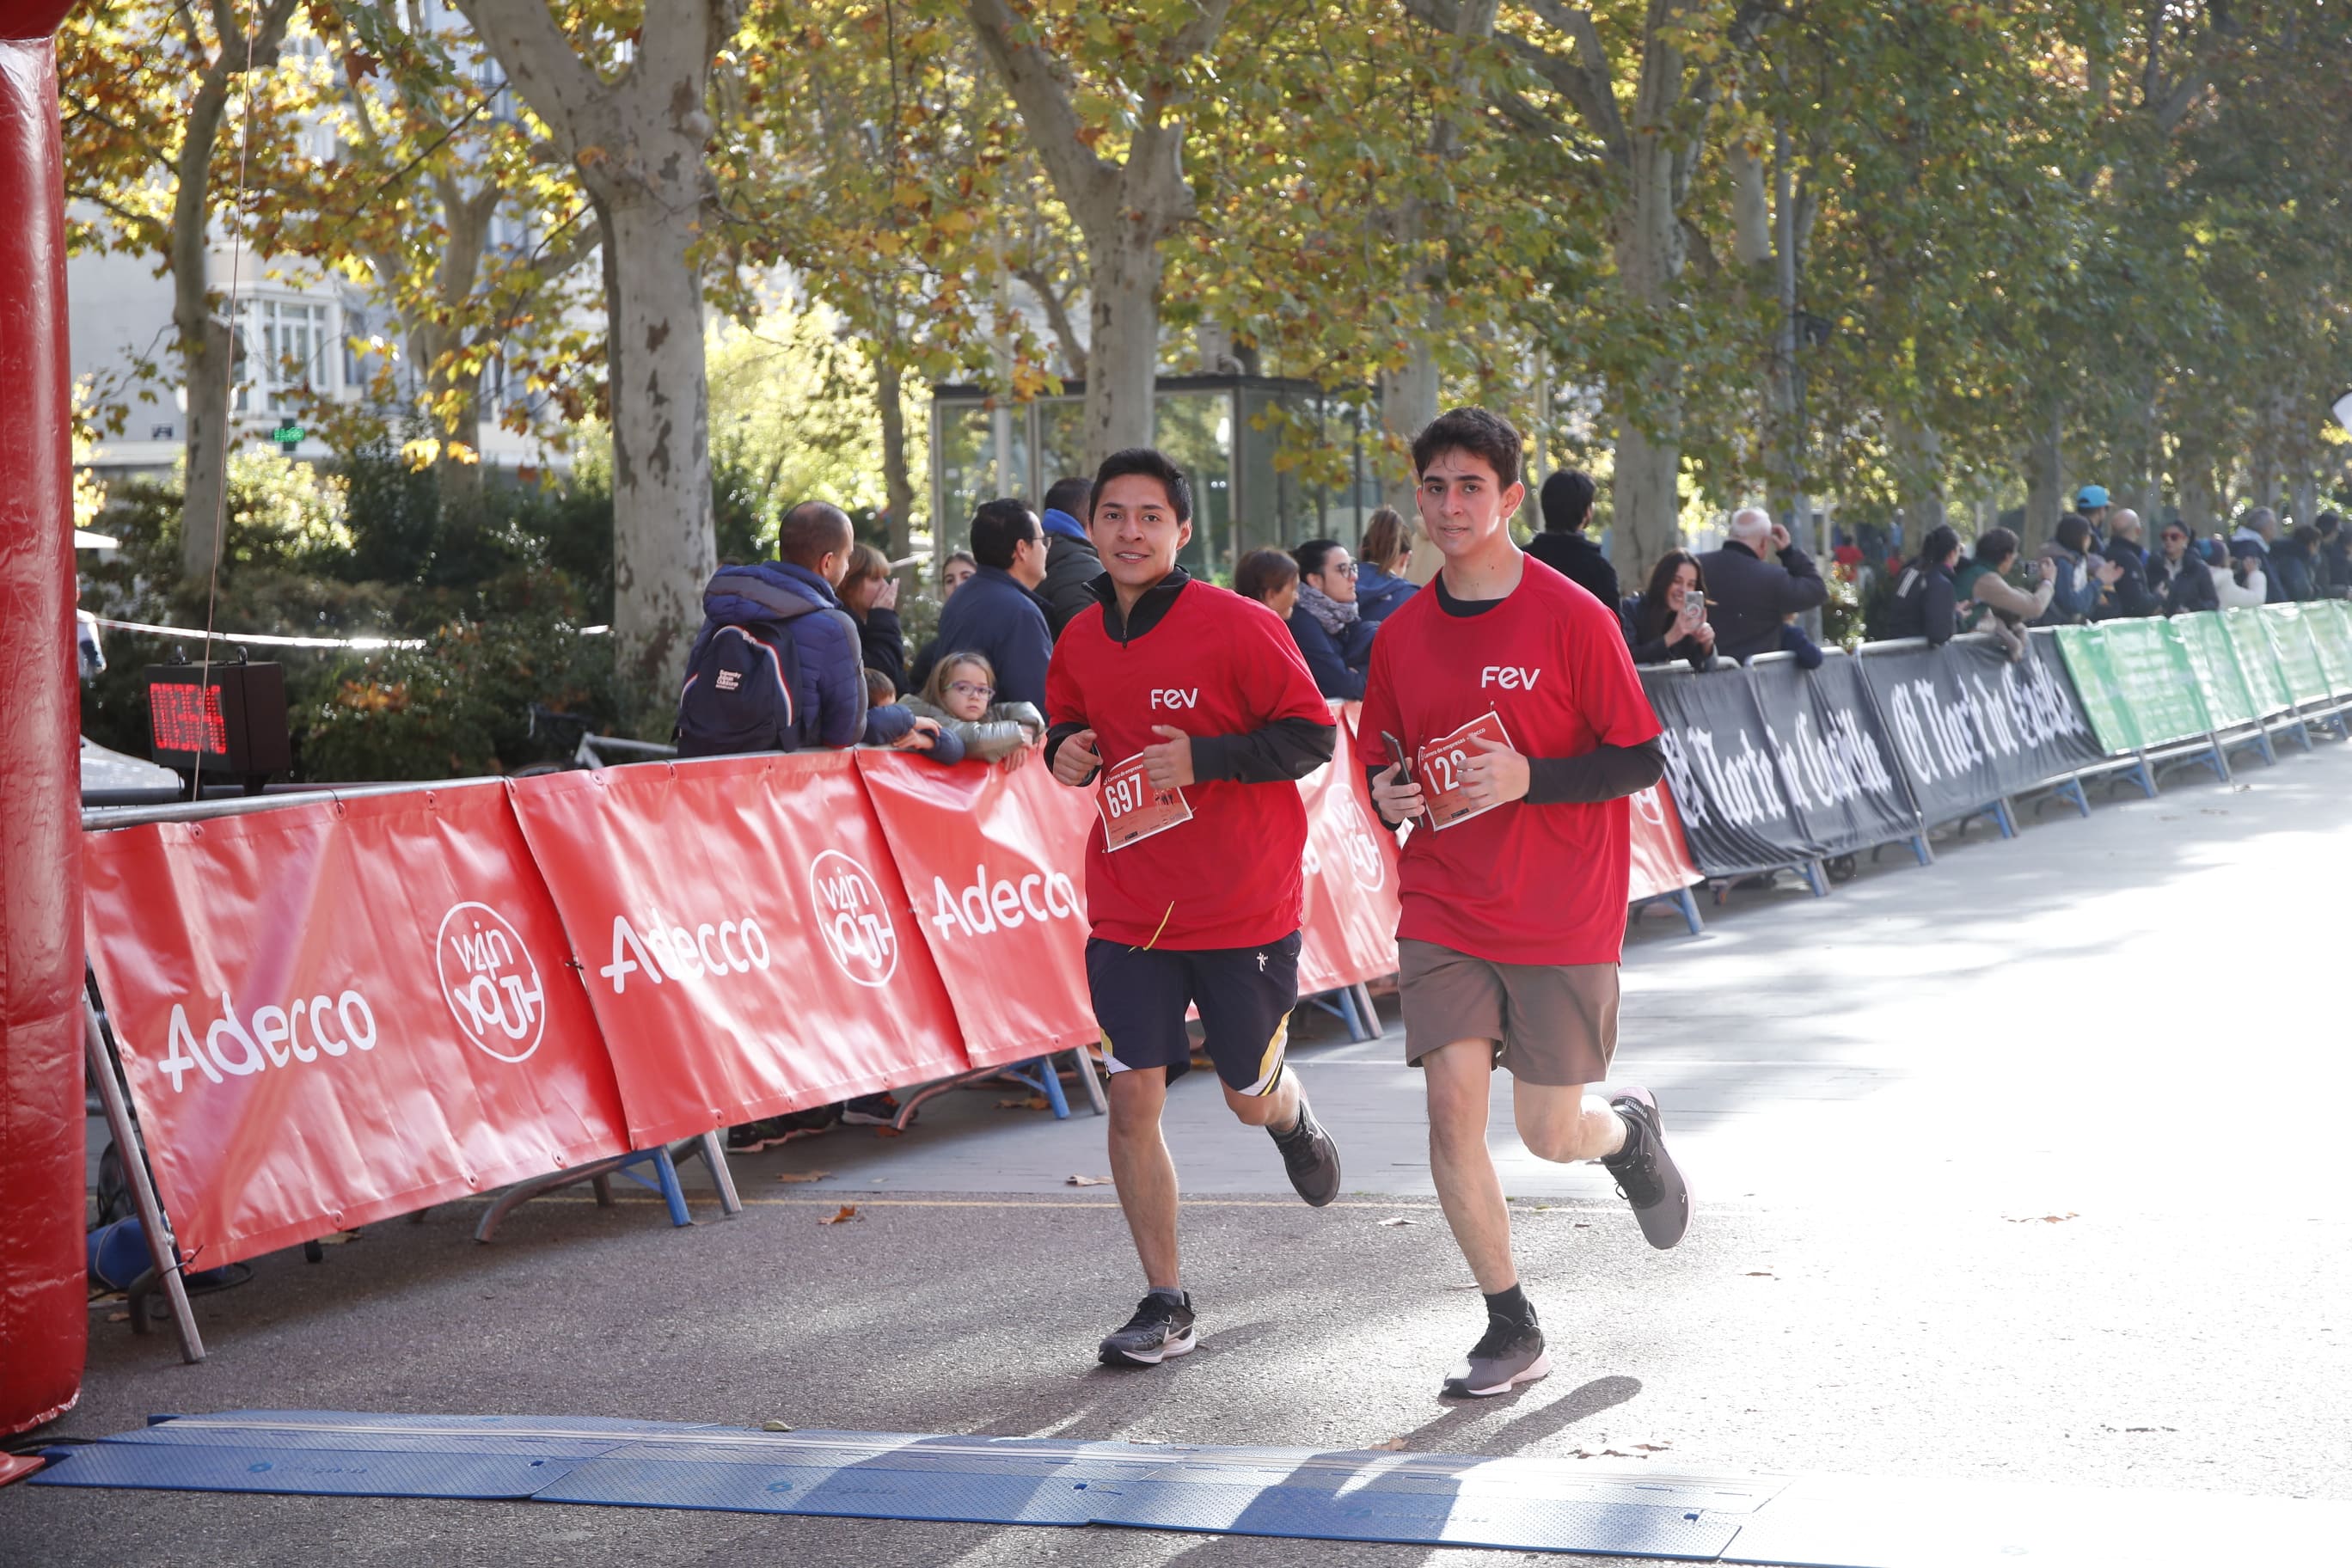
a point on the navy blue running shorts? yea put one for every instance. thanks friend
(1244, 995)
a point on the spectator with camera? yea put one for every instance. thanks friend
(1987, 602)
(2176, 577)
(1753, 598)
(2240, 582)
(1667, 620)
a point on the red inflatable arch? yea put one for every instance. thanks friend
(44, 1321)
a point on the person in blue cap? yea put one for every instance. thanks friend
(2092, 504)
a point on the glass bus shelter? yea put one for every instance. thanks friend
(1217, 430)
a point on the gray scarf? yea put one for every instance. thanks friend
(1329, 613)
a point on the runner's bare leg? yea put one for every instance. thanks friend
(1459, 1079)
(1143, 1171)
(1279, 1109)
(1565, 1123)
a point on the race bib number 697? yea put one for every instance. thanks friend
(1132, 810)
(1444, 765)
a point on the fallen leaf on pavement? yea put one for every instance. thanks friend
(1653, 1447)
(1761, 1274)
(1088, 1181)
(1393, 1446)
(889, 1133)
(1399, 1219)
(338, 1237)
(803, 1175)
(846, 1212)
(1584, 1225)
(774, 1427)
(2042, 1218)
(1035, 1102)
(118, 1317)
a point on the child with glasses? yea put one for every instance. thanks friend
(961, 697)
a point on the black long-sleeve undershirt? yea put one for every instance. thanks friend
(1604, 774)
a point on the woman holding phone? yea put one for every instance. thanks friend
(1667, 621)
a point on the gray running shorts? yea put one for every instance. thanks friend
(1550, 1024)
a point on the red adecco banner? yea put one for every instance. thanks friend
(1350, 930)
(1661, 861)
(743, 935)
(994, 863)
(332, 1014)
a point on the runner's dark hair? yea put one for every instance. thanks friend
(1476, 432)
(997, 527)
(1568, 501)
(1150, 461)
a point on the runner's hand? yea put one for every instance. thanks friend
(1169, 765)
(1396, 797)
(1496, 775)
(1077, 761)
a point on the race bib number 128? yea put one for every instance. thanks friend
(1444, 764)
(1132, 810)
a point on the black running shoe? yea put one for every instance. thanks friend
(871, 1111)
(1162, 1327)
(1647, 1177)
(1310, 1156)
(1509, 1354)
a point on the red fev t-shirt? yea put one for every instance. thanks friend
(1521, 883)
(1216, 664)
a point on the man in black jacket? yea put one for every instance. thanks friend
(2178, 576)
(1071, 563)
(2129, 594)
(1750, 596)
(1566, 508)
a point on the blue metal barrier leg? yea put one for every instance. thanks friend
(1689, 907)
(1086, 1065)
(2146, 773)
(1926, 856)
(1372, 1014)
(1040, 1074)
(1816, 879)
(2072, 788)
(2004, 818)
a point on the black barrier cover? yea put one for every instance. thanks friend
(1726, 785)
(1969, 726)
(1836, 762)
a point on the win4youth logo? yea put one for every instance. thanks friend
(491, 982)
(851, 919)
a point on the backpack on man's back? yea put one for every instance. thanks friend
(743, 669)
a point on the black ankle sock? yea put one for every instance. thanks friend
(1632, 1143)
(1512, 1306)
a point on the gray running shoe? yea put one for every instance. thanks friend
(1647, 1177)
(1509, 1354)
(1310, 1156)
(1162, 1327)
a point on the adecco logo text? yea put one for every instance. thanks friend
(1004, 904)
(491, 982)
(274, 1037)
(853, 919)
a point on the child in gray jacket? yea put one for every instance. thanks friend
(960, 697)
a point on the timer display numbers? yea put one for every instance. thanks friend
(1443, 766)
(1132, 810)
(227, 721)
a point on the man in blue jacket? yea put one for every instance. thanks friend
(1071, 563)
(996, 613)
(829, 698)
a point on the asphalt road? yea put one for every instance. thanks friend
(2022, 1167)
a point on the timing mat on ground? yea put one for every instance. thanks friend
(1424, 1500)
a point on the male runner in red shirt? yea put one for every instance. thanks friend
(1194, 707)
(1523, 728)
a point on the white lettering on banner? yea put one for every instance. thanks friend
(1738, 790)
(664, 951)
(491, 982)
(1170, 697)
(853, 920)
(1845, 766)
(986, 906)
(1510, 677)
(258, 1048)
(1345, 816)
